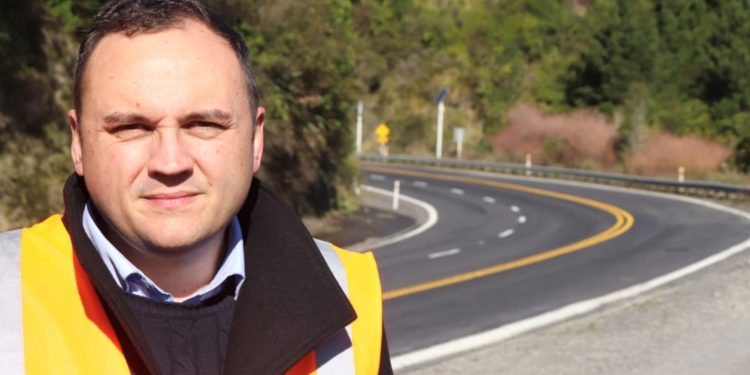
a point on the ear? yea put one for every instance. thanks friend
(75, 141)
(260, 118)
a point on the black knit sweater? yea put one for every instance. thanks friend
(186, 339)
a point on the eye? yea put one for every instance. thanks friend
(205, 129)
(206, 124)
(130, 131)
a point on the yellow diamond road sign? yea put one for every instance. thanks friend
(382, 132)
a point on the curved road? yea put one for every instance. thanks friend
(537, 246)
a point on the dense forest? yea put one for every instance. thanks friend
(676, 67)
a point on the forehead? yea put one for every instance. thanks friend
(172, 63)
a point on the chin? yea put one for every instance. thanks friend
(173, 238)
(169, 245)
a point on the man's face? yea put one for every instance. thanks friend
(166, 143)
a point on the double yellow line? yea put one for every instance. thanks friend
(623, 222)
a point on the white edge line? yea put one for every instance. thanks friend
(511, 330)
(432, 218)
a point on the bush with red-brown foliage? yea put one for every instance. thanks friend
(663, 154)
(587, 139)
(574, 139)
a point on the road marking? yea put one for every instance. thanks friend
(505, 332)
(457, 191)
(522, 219)
(489, 199)
(480, 243)
(378, 177)
(432, 218)
(505, 233)
(445, 253)
(623, 222)
(420, 184)
(515, 209)
(510, 330)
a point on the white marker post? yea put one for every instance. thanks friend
(528, 164)
(681, 177)
(396, 191)
(360, 110)
(458, 136)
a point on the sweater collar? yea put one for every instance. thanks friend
(289, 303)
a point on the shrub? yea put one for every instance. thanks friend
(663, 153)
(574, 139)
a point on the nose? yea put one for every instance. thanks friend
(169, 155)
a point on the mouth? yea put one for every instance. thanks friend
(171, 200)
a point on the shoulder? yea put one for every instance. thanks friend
(9, 239)
(356, 273)
(44, 236)
(351, 260)
(48, 232)
(10, 244)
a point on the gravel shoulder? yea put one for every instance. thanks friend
(697, 325)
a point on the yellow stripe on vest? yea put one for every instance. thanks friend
(364, 293)
(66, 330)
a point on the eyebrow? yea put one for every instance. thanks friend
(131, 117)
(212, 114)
(124, 118)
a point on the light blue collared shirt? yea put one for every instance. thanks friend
(133, 281)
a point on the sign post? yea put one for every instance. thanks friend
(382, 132)
(458, 137)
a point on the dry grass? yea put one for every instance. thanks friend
(663, 154)
(581, 138)
(586, 139)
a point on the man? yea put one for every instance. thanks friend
(170, 258)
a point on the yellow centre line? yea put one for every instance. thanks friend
(623, 222)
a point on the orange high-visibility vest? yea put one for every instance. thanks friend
(53, 322)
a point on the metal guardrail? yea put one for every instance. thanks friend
(687, 187)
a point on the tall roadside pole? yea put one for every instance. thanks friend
(439, 145)
(441, 109)
(360, 109)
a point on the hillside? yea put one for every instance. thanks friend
(650, 71)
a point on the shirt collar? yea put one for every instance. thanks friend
(133, 281)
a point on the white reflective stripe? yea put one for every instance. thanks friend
(11, 321)
(335, 356)
(334, 263)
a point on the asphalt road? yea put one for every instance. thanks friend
(620, 239)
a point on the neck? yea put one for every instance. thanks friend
(178, 271)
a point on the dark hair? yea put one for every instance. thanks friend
(136, 16)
